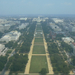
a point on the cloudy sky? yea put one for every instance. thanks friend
(12, 7)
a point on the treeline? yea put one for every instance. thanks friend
(73, 60)
(66, 47)
(46, 30)
(3, 60)
(59, 66)
(59, 36)
(11, 44)
(17, 63)
(14, 44)
(26, 37)
(52, 48)
(1, 34)
(58, 63)
(72, 33)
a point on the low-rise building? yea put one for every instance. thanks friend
(11, 36)
(23, 25)
(67, 39)
(56, 20)
(55, 27)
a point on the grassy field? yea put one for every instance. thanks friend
(39, 34)
(38, 40)
(38, 49)
(38, 28)
(38, 23)
(37, 63)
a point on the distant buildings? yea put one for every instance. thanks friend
(11, 36)
(73, 29)
(23, 25)
(4, 27)
(5, 24)
(23, 19)
(56, 20)
(39, 19)
(52, 35)
(55, 27)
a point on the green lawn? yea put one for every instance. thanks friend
(38, 49)
(39, 28)
(39, 34)
(38, 24)
(38, 40)
(37, 63)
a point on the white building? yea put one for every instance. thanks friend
(23, 18)
(23, 25)
(40, 19)
(11, 36)
(56, 20)
(67, 39)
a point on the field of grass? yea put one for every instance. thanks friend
(38, 40)
(38, 30)
(38, 27)
(38, 49)
(37, 63)
(39, 34)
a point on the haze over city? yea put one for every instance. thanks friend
(37, 37)
(15, 7)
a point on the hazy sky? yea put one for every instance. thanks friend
(13, 7)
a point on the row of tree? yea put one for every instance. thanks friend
(58, 63)
(59, 66)
(66, 47)
(3, 60)
(17, 63)
(11, 44)
(26, 37)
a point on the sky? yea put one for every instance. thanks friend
(13, 7)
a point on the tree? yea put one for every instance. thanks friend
(43, 71)
(9, 44)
